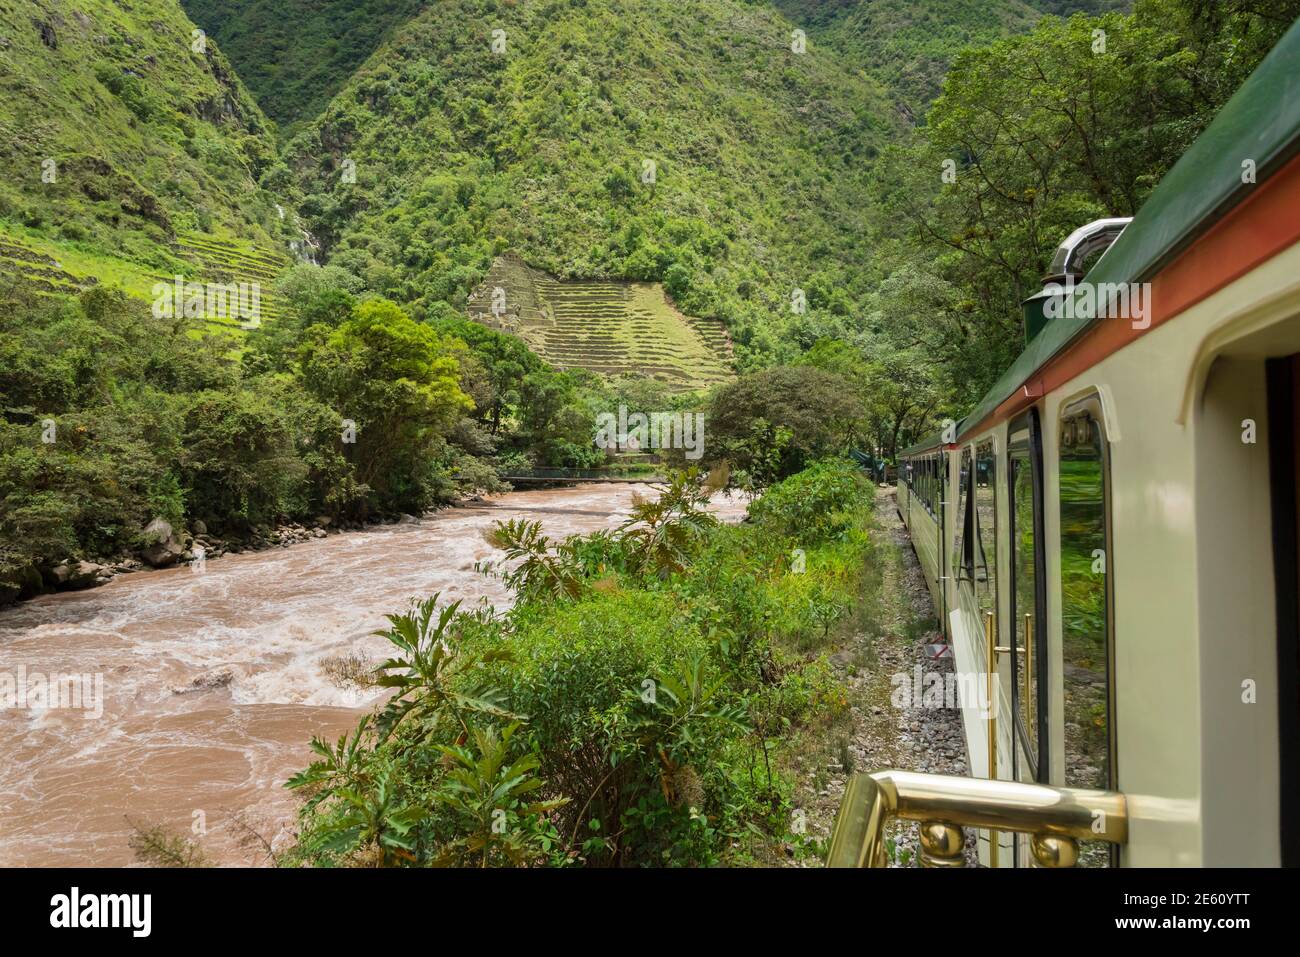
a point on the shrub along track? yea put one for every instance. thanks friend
(875, 734)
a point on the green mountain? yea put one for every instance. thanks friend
(651, 141)
(610, 140)
(296, 54)
(128, 141)
(723, 149)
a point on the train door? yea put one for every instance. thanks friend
(1027, 592)
(1283, 389)
(941, 552)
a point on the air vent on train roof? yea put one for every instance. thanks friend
(1080, 247)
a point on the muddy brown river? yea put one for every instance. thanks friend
(252, 630)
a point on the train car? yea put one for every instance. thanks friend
(1110, 537)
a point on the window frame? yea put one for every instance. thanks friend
(994, 470)
(1091, 406)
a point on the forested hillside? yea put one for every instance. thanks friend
(636, 140)
(120, 128)
(906, 44)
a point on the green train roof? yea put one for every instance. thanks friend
(1260, 122)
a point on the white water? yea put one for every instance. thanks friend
(70, 780)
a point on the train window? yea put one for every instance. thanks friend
(1085, 632)
(1028, 598)
(962, 556)
(985, 511)
(940, 481)
(1083, 603)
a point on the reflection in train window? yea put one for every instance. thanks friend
(962, 554)
(1085, 643)
(986, 538)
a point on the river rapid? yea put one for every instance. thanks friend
(213, 682)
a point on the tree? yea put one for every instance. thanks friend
(1038, 134)
(505, 361)
(818, 409)
(557, 426)
(397, 382)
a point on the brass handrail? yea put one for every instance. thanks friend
(1055, 817)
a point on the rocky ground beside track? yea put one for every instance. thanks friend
(883, 730)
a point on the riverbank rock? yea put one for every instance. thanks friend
(9, 592)
(162, 547)
(72, 575)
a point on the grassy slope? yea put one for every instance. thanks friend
(150, 140)
(615, 328)
(296, 54)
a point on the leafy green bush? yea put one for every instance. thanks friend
(814, 505)
(578, 672)
(636, 698)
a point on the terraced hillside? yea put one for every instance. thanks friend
(610, 327)
(22, 265)
(57, 269)
(226, 261)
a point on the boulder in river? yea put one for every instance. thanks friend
(208, 681)
(71, 575)
(161, 545)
